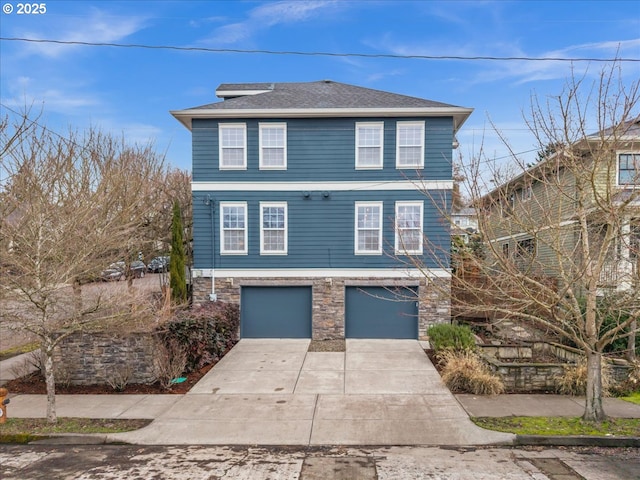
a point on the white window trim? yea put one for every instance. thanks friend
(422, 143)
(399, 249)
(221, 127)
(222, 230)
(356, 229)
(261, 128)
(286, 228)
(379, 125)
(624, 185)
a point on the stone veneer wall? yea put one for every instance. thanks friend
(328, 304)
(88, 359)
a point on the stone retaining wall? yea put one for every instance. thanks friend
(536, 377)
(98, 358)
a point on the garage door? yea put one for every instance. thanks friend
(275, 312)
(378, 312)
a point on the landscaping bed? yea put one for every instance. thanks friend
(34, 385)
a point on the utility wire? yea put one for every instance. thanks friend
(318, 54)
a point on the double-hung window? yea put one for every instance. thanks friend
(410, 145)
(273, 228)
(409, 227)
(369, 145)
(628, 169)
(368, 238)
(273, 146)
(232, 138)
(233, 228)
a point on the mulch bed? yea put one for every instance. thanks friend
(327, 346)
(34, 384)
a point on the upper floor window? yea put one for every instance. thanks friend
(628, 168)
(273, 146)
(233, 228)
(408, 228)
(233, 146)
(273, 228)
(410, 145)
(369, 145)
(368, 228)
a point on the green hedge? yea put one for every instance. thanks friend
(451, 337)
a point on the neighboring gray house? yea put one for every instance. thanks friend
(308, 199)
(464, 223)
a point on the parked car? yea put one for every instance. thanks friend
(158, 265)
(138, 269)
(113, 272)
(116, 271)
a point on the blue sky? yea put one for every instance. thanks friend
(130, 91)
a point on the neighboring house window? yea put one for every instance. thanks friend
(410, 145)
(233, 228)
(526, 249)
(408, 227)
(368, 228)
(628, 168)
(526, 193)
(273, 146)
(369, 145)
(233, 146)
(273, 228)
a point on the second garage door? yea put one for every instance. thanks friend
(379, 312)
(275, 312)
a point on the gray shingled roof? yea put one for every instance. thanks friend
(320, 94)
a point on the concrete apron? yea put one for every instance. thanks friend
(274, 392)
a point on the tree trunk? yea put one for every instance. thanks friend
(631, 342)
(77, 297)
(51, 383)
(594, 411)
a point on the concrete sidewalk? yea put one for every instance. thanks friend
(274, 392)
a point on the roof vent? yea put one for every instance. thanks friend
(326, 80)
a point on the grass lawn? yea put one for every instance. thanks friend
(617, 427)
(633, 398)
(23, 430)
(12, 352)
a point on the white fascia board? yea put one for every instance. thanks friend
(460, 114)
(420, 185)
(368, 273)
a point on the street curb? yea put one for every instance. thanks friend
(72, 439)
(576, 441)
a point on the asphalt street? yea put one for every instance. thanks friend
(86, 462)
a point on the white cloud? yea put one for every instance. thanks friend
(269, 15)
(518, 71)
(27, 91)
(98, 27)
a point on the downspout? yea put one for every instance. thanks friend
(210, 202)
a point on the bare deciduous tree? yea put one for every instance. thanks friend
(70, 206)
(561, 236)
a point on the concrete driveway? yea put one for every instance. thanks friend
(274, 392)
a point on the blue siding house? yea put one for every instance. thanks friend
(309, 199)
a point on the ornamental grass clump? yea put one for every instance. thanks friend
(464, 372)
(574, 379)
